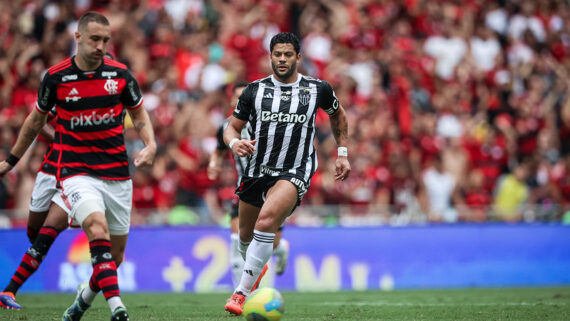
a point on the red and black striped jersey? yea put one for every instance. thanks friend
(91, 108)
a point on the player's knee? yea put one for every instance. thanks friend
(267, 224)
(96, 230)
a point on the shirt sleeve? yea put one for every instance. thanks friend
(327, 100)
(131, 96)
(245, 104)
(47, 94)
(52, 113)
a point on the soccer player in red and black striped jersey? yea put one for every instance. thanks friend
(47, 218)
(91, 95)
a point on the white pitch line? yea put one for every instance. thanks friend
(401, 304)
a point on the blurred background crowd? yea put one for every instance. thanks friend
(459, 110)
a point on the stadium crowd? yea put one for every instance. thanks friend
(459, 110)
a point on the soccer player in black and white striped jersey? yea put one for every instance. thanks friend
(281, 246)
(281, 110)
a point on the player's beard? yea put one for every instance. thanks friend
(286, 74)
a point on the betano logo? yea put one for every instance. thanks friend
(283, 117)
(92, 119)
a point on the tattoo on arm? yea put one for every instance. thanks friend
(139, 126)
(339, 127)
(30, 134)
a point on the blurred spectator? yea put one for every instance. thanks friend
(448, 48)
(511, 194)
(473, 200)
(439, 187)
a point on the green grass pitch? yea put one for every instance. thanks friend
(464, 304)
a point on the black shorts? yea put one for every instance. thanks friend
(252, 190)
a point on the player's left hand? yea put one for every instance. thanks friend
(145, 157)
(4, 168)
(342, 168)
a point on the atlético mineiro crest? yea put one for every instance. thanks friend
(304, 97)
(112, 86)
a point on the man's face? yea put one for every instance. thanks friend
(284, 60)
(92, 43)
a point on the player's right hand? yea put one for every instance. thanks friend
(244, 147)
(4, 168)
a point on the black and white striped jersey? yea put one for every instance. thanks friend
(282, 118)
(241, 162)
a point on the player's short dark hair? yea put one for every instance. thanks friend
(238, 85)
(91, 16)
(285, 37)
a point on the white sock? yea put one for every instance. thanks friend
(88, 295)
(242, 248)
(258, 253)
(236, 260)
(115, 302)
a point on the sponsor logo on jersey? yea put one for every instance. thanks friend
(131, 86)
(45, 97)
(68, 78)
(268, 96)
(286, 96)
(73, 95)
(112, 86)
(283, 117)
(268, 170)
(92, 119)
(109, 74)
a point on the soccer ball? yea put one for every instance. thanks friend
(265, 304)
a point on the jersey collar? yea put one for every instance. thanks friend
(280, 84)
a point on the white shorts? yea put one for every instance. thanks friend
(45, 192)
(85, 195)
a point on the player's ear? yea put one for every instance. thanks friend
(77, 35)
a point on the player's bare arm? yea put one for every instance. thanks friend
(232, 137)
(339, 126)
(214, 165)
(30, 130)
(143, 126)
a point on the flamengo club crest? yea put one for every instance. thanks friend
(112, 86)
(304, 96)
